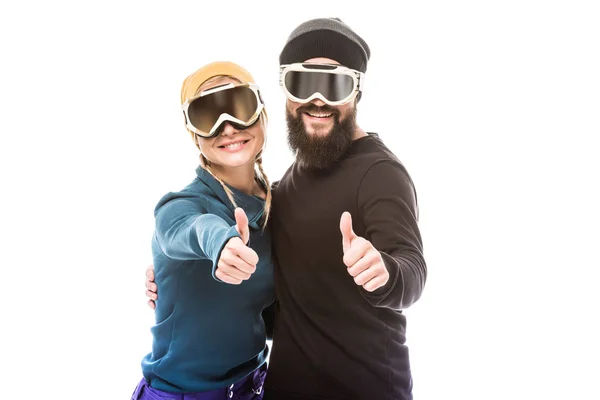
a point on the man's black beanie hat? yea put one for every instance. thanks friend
(329, 38)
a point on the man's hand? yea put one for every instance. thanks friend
(364, 261)
(237, 261)
(151, 287)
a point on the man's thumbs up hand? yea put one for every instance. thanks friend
(363, 260)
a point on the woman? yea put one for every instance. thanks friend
(209, 341)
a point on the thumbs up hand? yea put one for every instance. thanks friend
(241, 224)
(364, 261)
(237, 261)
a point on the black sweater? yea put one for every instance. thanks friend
(333, 339)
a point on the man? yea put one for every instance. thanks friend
(346, 241)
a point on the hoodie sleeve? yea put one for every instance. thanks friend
(388, 203)
(185, 231)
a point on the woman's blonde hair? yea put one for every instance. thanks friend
(259, 172)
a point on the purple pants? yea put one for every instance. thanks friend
(248, 388)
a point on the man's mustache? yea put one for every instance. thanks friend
(312, 108)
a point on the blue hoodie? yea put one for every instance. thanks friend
(208, 334)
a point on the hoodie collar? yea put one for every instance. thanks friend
(252, 205)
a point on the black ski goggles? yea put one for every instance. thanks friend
(239, 105)
(331, 83)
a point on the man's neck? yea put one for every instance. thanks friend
(359, 133)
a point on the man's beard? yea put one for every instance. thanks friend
(319, 152)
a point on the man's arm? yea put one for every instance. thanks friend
(388, 203)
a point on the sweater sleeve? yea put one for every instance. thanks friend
(388, 203)
(185, 231)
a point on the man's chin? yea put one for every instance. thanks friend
(318, 129)
(318, 132)
(319, 146)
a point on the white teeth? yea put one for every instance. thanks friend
(234, 145)
(320, 115)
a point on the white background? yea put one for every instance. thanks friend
(492, 106)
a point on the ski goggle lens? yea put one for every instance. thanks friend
(334, 87)
(240, 105)
(334, 84)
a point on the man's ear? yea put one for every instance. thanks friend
(358, 96)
